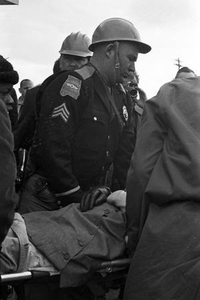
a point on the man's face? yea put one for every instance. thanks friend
(130, 81)
(128, 54)
(5, 89)
(25, 85)
(71, 62)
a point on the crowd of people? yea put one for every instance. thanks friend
(91, 169)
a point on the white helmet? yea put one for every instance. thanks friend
(76, 44)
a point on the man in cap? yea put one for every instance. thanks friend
(8, 200)
(85, 124)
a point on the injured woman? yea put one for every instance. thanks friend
(68, 240)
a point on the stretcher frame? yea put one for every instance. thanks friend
(110, 275)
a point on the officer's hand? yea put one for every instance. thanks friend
(94, 197)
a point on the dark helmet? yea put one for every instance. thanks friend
(118, 29)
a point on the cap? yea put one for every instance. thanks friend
(7, 73)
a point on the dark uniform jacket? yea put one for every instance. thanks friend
(8, 197)
(80, 133)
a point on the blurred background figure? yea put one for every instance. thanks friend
(138, 97)
(185, 72)
(25, 85)
(131, 85)
(13, 110)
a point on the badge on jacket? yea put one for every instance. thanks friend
(71, 87)
(125, 113)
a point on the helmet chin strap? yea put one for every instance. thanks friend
(117, 63)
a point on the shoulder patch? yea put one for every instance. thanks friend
(71, 87)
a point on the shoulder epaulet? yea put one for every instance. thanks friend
(121, 88)
(86, 72)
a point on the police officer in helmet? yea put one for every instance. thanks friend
(85, 123)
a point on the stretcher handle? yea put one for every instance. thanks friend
(117, 263)
(107, 266)
(23, 276)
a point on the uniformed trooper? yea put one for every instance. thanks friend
(85, 124)
(74, 54)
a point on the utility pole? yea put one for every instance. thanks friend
(178, 63)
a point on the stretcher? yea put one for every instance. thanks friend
(110, 275)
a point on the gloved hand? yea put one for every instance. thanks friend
(71, 198)
(94, 197)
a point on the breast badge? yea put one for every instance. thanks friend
(125, 113)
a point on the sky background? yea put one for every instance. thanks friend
(32, 32)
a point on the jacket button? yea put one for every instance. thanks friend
(91, 232)
(80, 243)
(66, 256)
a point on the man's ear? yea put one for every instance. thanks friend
(110, 50)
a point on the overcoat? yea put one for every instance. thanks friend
(165, 175)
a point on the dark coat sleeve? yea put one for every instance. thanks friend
(8, 197)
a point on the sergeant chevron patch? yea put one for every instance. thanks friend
(71, 87)
(61, 111)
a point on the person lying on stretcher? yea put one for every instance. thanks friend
(74, 240)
